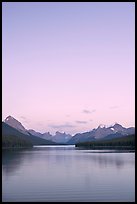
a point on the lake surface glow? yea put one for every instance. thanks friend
(65, 173)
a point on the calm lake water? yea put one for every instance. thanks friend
(64, 173)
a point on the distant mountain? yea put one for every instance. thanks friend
(58, 137)
(113, 136)
(33, 132)
(82, 137)
(15, 124)
(61, 137)
(45, 135)
(10, 131)
(102, 132)
(131, 131)
(18, 126)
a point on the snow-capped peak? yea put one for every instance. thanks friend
(101, 126)
(15, 124)
(8, 118)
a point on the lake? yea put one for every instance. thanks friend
(65, 173)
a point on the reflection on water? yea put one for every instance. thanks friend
(63, 173)
(13, 159)
(109, 160)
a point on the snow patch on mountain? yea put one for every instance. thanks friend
(15, 124)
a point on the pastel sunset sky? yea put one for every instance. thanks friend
(68, 66)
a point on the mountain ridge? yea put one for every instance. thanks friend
(101, 132)
(7, 130)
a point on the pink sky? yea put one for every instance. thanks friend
(68, 66)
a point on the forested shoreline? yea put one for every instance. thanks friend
(12, 141)
(126, 142)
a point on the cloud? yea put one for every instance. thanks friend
(22, 117)
(88, 111)
(113, 107)
(65, 125)
(94, 110)
(25, 122)
(81, 121)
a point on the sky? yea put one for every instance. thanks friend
(68, 67)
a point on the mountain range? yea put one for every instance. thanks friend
(61, 138)
(7, 130)
(101, 132)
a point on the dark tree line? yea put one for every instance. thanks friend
(12, 141)
(123, 142)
